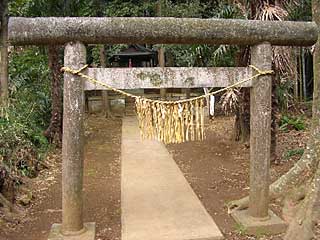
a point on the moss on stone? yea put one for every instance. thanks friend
(154, 78)
(189, 81)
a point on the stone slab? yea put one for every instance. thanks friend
(89, 234)
(167, 77)
(254, 226)
(157, 203)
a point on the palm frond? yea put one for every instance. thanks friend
(230, 101)
(282, 56)
(283, 62)
(220, 52)
(243, 7)
(268, 12)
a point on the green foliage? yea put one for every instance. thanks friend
(119, 8)
(110, 50)
(284, 94)
(30, 86)
(183, 9)
(241, 229)
(199, 55)
(22, 123)
(300, 11)
(19, 7)
(289, 123)
(294, 152)
(225, 10)
(46, 8)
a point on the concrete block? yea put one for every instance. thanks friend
(258, 227)
(88, 234)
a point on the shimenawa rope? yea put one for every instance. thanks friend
(169, 121)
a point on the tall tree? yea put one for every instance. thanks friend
(301, 184)
(54, 130)
(308, 214)
(98, 11)
(55, 8)
(266, 11)
(161, 55)
(4, 93)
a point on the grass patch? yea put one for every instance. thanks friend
(293, 152)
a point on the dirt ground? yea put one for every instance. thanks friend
(101, 188)
(217, 170)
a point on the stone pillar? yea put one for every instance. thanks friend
(73, 140)
(73, 151)
(260, 132)
(258, 219)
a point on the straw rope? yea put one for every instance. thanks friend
(169, 121)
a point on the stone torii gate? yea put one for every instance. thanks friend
(75, 32)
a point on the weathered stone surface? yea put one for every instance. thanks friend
(252, 226)
(159, 30)
(73, 141)
(88, 234)
(260, 132)
(184, 77)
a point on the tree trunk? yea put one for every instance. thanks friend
(54, 131)
(301, 227)
(161, 55)
(104, 93)
(306, 171)
(161, 60)
(296, 76)
(4, 93)
(242, 120)
(242, 114)
(274, 117)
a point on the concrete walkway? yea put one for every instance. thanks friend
(157, 203)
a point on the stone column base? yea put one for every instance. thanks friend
(89, 234)
(255, 226)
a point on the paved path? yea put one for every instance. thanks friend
(157, 203)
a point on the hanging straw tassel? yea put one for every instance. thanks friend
(186, 121)
(181, 118)
(192, 112)
(148, 120)
(139, 115)
(202, 118)
(197, 121)
(155, 121)
(171, 122)
(163, 121)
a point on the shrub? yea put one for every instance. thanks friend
(288, 123)
(22, 144)
(294, 152)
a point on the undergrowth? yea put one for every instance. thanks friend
(292, 123)
(22, 122)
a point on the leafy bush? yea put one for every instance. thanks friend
(119, 8)
(294, 152)
(289, 123)
(22, 123)
(284, 94)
